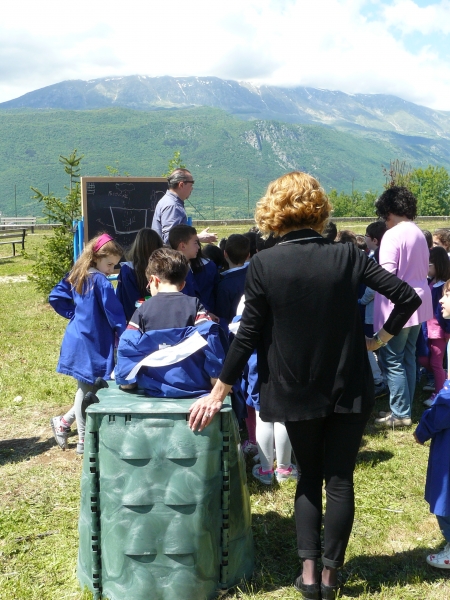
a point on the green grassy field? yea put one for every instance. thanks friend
(39, 496)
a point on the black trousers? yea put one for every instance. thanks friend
(326, 449)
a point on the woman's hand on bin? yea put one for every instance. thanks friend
(203, 410)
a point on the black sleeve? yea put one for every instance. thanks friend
(252, 322)
(403, 296)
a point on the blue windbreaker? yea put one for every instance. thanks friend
(187, 378)
(95, 318)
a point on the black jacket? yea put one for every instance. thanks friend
(301, 313)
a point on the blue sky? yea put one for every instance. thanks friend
(398, 47)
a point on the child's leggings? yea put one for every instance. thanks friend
(266, 435)
(75, 411)
(434, 362)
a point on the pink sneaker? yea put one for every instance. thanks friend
(285, 474)
(265, 477)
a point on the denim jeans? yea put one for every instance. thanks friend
(398, 360)
(444, 526)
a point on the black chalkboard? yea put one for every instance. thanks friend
(120, 206)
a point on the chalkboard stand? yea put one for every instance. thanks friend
(120, 206)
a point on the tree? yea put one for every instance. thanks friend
(399, 173)
(355, 204)
(431, 186)
(174, 163)
(56, 257)
(115, 171)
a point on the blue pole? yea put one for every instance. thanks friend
(78, 236)
(75, 240)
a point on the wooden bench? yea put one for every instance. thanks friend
(18, 223)
(13, 237)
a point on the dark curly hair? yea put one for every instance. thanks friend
(396, 201)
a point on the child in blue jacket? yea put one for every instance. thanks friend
(132, 281)
(167, 332)
(435, 425)
(96, 318)
(232, 282)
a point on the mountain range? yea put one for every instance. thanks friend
(227, 131)
(379, 112)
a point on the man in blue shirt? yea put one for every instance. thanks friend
(170, 209)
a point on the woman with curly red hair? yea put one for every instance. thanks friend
(301, 314)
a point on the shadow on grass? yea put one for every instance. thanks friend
(276, 552)
(277, 563)
(400, 569)
(20, 449)
(373, 457)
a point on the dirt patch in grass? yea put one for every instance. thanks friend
(13, 278)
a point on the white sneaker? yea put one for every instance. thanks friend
(60, 432)
(429, 387)
(391, 420)
(384, 413)
(441, 560)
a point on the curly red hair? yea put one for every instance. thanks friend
(293, 200)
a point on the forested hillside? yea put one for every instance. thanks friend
(232, 160)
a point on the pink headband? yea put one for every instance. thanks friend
(102, 240)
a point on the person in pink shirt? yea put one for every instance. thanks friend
(403, 252)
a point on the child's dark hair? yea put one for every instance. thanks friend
(345, 235)
(168, 265)
(376, 230)
(361, 242)
(428, 237)
(181, 234)
(215, 254)
(439, 258)
(265, 244)
(443, 235)
(237, 248)
(79, 275)
(145, 242)
(330, 231)
(253, 238)
(397, 201)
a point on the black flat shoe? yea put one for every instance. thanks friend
(309, 592)
(328, 592)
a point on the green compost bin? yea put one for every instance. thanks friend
(165, 511)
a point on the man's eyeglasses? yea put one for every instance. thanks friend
(189, 182)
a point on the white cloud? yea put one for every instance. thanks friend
(411, 18)
(328, 44)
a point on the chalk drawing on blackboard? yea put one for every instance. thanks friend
(90, 188)
(123, 190)
(128, 220)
